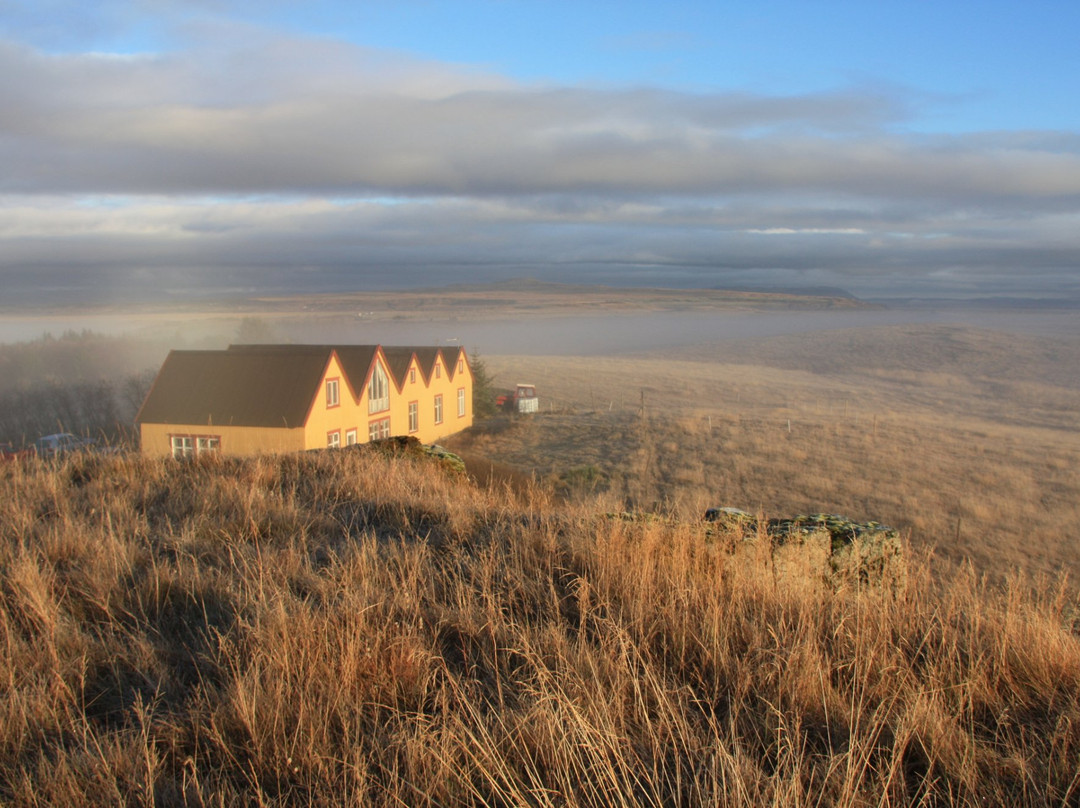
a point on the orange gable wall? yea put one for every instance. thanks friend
(462, 379)
(350, 413)
(368, 417)
(423, 392)
(399, 400)
(446, 383)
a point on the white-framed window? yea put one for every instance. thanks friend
(333, 439)
(378, 430)
(378, 390)
(461, 366)
(350, 437)
(461, 402)
(412, 375)
(332, 393)
(183, 446)
(438, 371)
(438, 409)
(414, 416)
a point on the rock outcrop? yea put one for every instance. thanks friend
(854, 551)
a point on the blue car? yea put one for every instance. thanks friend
(62, 443)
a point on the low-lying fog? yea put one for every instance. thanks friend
(563, 335)
(632, 333)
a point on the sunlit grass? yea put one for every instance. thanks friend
(994, 479)
(344, 629)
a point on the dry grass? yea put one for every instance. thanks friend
(341, 629)
(948, 436)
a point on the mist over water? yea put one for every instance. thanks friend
(588, 335)
(609, 334)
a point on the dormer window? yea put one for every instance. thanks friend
(378, 391)
(332, 396)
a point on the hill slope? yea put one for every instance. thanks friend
(347, 629)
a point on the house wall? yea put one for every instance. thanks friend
(348, 414)
(423, 391)
(443, 383)
(413, 388)
(156, 439)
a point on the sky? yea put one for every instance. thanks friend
(162, 149)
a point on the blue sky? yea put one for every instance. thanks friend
(888, 148)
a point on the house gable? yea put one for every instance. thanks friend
(276, 397)
(402, 357)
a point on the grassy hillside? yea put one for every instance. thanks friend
(347, 629)
(967, 440)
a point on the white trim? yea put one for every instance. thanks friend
(378, 391)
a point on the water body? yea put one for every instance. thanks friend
(634, 333)
(561, 335)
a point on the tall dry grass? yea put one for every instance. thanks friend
(342, 629)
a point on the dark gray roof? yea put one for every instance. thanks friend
(239, 388)
(399, 357)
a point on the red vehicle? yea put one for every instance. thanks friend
(9, 453)
(522, 399)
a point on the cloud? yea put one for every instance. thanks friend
(318, 244)
(255, 154)
(281, 115)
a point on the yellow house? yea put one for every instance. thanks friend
(285, 398)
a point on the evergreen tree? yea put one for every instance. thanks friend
(483, 387)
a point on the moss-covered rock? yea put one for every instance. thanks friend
(855, 551)
(408, 446)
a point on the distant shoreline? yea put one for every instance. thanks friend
(523, 298)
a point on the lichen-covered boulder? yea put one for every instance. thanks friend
(449, 460)
(409, 446)
(864, 552)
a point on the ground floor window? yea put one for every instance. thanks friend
(414, 416)
(350, 438)
(183, 446)
(438, 409)
(194, 445)
(379, 429)
(461, 402)
(333, 439)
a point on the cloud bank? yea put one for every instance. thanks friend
(255, 160)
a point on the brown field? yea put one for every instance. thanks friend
(967, 440)
(525, 298)
(342, 629)
(514, 299)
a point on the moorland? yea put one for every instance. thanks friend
(560, 627)
(966, 439)
(344, 628)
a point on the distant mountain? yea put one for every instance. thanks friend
(997, 303)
